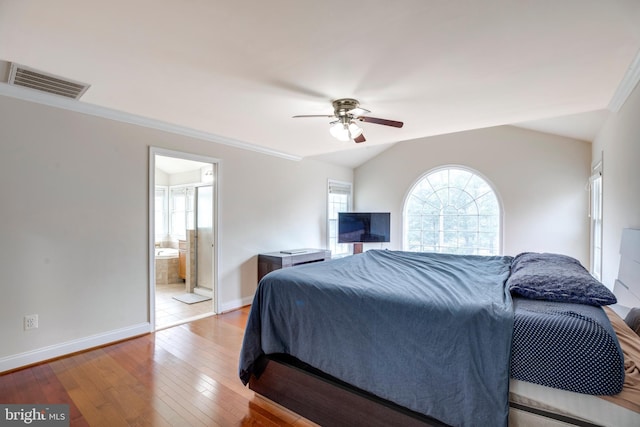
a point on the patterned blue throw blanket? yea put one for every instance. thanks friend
(430, 332)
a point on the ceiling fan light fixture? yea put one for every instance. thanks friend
(340, 131)
(345, 131)
(354, 130)
(347, 112)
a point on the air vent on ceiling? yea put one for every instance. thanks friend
(38, 80)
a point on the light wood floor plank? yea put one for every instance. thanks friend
(186, 375)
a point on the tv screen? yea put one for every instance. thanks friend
(364, 227)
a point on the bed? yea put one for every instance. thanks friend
(390, 337)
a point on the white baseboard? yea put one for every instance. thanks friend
(51, 352)
(235, 304)
(57, 350)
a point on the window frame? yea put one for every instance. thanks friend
(342, 187)
(162, 209)
(187, 213)
(500, 237)
(596, 216)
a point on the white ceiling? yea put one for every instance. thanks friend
(584, 126)
(174, 165)
(241, 69)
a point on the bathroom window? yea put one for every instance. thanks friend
(162, 212)
(181, 208)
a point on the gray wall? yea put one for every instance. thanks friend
(75, 232)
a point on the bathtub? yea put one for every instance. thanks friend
(167, 266)
(166, 253)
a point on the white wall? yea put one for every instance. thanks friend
(619, 144)
(74, 226)
(162, 178)
(184, 178)
(539, 177)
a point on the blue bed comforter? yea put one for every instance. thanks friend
(432, 331)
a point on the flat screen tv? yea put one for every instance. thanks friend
(364, 227)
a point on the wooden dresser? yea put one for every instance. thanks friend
(288, 258)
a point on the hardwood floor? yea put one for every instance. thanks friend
(180, 376)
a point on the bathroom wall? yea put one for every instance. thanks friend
(162, 178)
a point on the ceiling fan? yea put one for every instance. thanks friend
(347, 111)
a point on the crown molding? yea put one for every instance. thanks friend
(121, 116)
(626, 86)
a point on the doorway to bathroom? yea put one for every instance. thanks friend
(183, 255)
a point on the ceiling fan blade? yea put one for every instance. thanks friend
(377, 121)
(359, 138)
(314, 115)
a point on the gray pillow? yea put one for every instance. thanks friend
(633, 320)
(555, 277)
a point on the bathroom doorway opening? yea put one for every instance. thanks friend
(183, 237)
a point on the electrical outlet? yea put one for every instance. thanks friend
(30, 321)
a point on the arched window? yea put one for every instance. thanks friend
(452, 210)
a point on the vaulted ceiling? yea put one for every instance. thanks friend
(241, 69)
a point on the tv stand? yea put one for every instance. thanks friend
(289, 258)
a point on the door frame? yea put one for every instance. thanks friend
(153, 151)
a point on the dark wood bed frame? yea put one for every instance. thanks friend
(328, 401)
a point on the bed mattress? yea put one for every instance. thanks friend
(620, 410)
(566, 346)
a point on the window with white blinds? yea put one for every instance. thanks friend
(339, 200)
